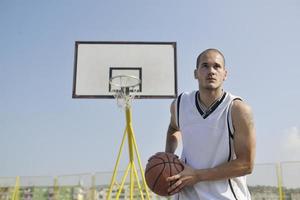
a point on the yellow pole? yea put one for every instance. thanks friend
(15, 195)
(130, 133)
(55, 189)
(93, 188)
(141, 167)
(131, 180)
(116, 165)
(138, 182)
(123, 181)
(279, 180)
(131, 148)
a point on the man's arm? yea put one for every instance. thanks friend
(173, 133)
(244, 144)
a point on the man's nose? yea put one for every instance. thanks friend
(211, 70)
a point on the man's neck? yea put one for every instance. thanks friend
(208, 97)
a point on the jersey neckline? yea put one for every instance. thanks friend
(212, 108)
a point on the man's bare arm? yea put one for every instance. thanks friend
(244, 145)
(173, 133)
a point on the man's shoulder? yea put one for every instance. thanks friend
(183, 97)
(234, 96)
(240, 107)
(188, 93)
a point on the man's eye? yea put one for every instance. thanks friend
(217, 66)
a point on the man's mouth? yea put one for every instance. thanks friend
(210, 79)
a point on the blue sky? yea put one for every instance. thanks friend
(46, 132)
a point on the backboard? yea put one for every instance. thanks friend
(154, 63)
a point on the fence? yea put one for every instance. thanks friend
(275, 181)
(267, 182)
(64, 187)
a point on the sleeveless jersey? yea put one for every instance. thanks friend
(207, 141)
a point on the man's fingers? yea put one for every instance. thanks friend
(173, 178)
(176, 187)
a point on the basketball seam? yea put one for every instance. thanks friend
(170, 170)
(176, 164)
(177, 171)
(157, 178)
(163, 162)
(155, 164)
(160, 164)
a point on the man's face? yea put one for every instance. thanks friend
(210, 72)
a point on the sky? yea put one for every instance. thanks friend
(43, 131)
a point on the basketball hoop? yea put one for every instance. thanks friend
(124, 85)
(100, 72)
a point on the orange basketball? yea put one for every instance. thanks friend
(159, 167)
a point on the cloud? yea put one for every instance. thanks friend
(290, 144)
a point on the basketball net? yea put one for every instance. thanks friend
(125, 89)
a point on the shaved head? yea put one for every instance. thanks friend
(207, 51)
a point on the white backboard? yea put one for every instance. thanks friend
(154, 63)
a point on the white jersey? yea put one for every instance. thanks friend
(207, 139)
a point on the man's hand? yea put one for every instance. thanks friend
(187, 177)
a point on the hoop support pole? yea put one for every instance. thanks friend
(16, 192)
(133, 151)
(279, 180)
(123, 181)
(116, 165)
(141, 167)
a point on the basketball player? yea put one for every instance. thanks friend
(218, 136)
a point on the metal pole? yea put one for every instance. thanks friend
(116, 165)
(279, 180)
(132, 147)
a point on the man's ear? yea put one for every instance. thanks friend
(195, 74)
(225, 76)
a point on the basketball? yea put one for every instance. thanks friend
(159, 167)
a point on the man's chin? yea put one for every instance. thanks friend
(210, 87)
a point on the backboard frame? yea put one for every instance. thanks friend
(87, 96)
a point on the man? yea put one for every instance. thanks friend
(218, 136)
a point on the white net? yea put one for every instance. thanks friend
(123, 99)
(124, 88)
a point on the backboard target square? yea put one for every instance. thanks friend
(154, 63)
(130, 71)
